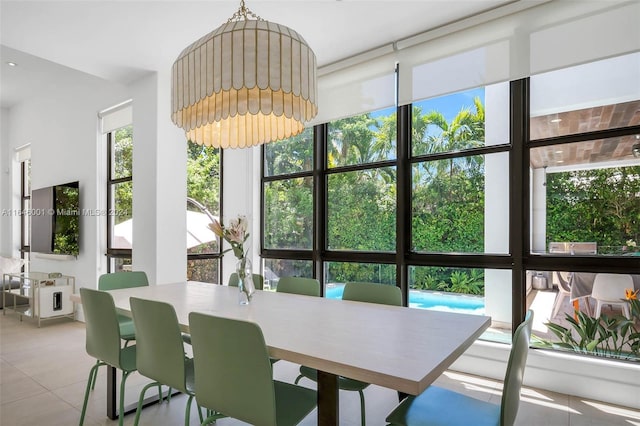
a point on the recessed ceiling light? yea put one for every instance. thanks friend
(12, 64)
(556, 120)
(560, 161)
(559, 152)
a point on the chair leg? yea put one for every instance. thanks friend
(200, 412)
(94, 376)
(125, 374)
(211, 418)
(625, 311)
(557, 304)
(141, 399)
(362, 411)
(598, 309)
(92, 373)
(187, 414)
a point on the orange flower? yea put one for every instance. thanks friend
(629, 294)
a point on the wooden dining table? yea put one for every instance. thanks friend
(401, 348)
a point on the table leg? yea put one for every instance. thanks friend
(112, 396)
(112, 411)
(328, 402)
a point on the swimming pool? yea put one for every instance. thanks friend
(423, 299)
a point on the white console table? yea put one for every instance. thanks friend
(42, 296)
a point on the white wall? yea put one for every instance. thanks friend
(66, 145)
(62, 127)
(159, 183)
(241, 196)
(497, 290)
(582, 376)
(5, 192)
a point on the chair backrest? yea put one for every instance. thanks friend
(258, 280)
(611, 287)
(117, 280)
(383, 294)
(299, 285)
(159, 348)
(103, 331)
(232, 368)
(515, 371)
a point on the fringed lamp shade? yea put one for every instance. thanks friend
(246, 83)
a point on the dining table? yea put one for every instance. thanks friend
(582, 284)
(400, 348)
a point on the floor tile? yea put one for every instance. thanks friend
(43, 375)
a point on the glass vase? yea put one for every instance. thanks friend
(246, 288)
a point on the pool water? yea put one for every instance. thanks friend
(423, 299)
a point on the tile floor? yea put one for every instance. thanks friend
(43, 373)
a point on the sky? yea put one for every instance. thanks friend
(448, 105)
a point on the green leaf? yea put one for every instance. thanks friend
(592, 345)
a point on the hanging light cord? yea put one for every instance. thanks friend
(244, 13)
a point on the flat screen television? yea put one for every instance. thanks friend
(55, 220)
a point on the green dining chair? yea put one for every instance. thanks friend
(233, 375)
(116, 281)
(299, 285)
(258, 280)
(442, 407)
(359, 292)
(103, 342)
(160, 351)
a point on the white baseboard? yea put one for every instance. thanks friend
(614, 382)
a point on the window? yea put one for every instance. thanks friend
(116, 125)
(25, 204)
(203, 206)
(585, 196)
(368, 182)
(464, 194)
(119, 198)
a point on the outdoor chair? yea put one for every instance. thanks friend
(609, 289)
(564, 290)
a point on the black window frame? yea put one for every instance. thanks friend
(215, 256)
(111, 252)
(25, 218)
(518, 260)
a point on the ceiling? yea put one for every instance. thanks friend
(123, 40)
(52, 41)
(615, 149)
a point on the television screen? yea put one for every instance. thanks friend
(55, 222)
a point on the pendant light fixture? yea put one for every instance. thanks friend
(246, 83)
